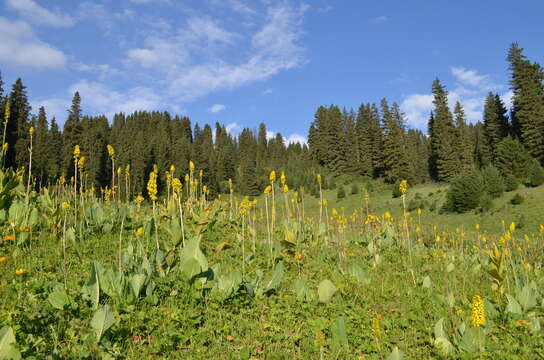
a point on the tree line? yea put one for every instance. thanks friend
(373, 142)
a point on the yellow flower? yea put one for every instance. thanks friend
(318, 176)
(478, 313)
(351, 254)
(282, 178)
(272, 176)
(65, 205)
(172, 169)
(8, 237)
(419, 211)
(200, 173)
(111, 151)
(319, 338)
(139, 231)
(325, 202)
(152, 186)
(176, 185)
(512, 227)
(20, 272)
(3, 259)
(387, 215)
(403, 187)
(23, 229)
(31, 130)
(127, 170)
(77, 152)
(477, 226)
(119, 171)
(191, 165)
(527, 266)
(267, 190)
(81, 163)
(285, 189)
(186, 178)
(139, 199)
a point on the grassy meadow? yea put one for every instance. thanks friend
(282, 276)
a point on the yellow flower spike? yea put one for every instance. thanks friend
(403, 187)
(272, 176)
(477, 226)
(119, 171)
(20, 272)
(512, 227)
(186, 178)
(527, 267)
(191, 165)
(77, 152)
(285, 189)
(139, 231)
(267, 190)
(65, 205)
(478, 312)
(111, 151)
(172, 169)
(419, 211)
(31, 130)
(152, 186)
(139, 199)
(282, 178)
(200, 173)
(177, 186)
(318, 176)
(81, 163)
(127, 170)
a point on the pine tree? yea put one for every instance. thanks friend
(71, 135)
(41, 149)
(444, 164)
(54, 167)
(528, 101)
(465, 149)
(395, 156)
(18, 125)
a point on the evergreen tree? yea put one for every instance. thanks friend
(41, 149)
(528, 101)
(395, 156)
(465, 149)
(71, 135)
(444, 164)
(18, 126)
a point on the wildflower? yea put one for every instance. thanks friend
(62, 180)
(3, 259)
(376, 326)
(77, 152)
(527, 267)
(20, 272)
(186, 178)
(418, 211)
(478, 312)
(65, 205)
(403, 187)
(191, 165)
(23, 229)
(285, 189)
(176, 185)
(81, 163)
(200, 173)
(139, 231)
(319, 338)
(512, 227)
(325, 203)
(387, 215)
(111, 151)
(8, 237)
(272, 176)
(300, 256)
(351, 254)
(31, 130)
(152, 186)
(477, 226)
(119, 171)
(139, 199)
(282, 178)
(319, 178)
(267, 190)
(127, 170)
(172, 169)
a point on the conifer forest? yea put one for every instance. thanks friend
(149, 235)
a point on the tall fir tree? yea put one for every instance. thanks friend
(71, 135)
(465, 148)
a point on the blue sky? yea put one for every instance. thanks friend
(243, 62)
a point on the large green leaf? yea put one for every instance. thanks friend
(276, 278)
(91, 290)
(396, 354)
(102, 320)
(8, 348)
(325, 291)
(441, 341)
(58, 297)
(136, 283)
(513, 306)
(192, 259)
(301, 288)
(528, 297)
(339, 334)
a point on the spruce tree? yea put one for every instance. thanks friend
(18, 126)
(71, 135)
(465, 149)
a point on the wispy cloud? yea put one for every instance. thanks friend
(380, 19)
(217, 108)
(233, 128)
(20, 47)
(470, 89)
(37, 14)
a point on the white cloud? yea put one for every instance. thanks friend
(233, 127)
(468, 77)
(20, 47)
(217, 108)
(417, 108)
(380, 19)
(470, 90)
(35, 13)
(54, 107)
(296, 138)
(507, 99)
(270, 134)
(197, 59)
(268, 92)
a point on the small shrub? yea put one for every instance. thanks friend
(354, 189)
(510, 183)
(341, 192)
(493, 181)
(536, 174)
(486, 202)
(465, 193)
(517, 199)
